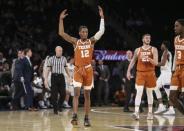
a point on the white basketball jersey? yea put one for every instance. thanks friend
(71, 69)
(168, 64)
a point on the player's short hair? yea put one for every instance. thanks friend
(82, 27)
(166, 43)
(147, 34)
(181, 21)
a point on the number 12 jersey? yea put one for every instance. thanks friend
(83, 52)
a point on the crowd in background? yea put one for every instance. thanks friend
(109, 85)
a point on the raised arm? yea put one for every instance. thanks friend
(101, 30)
(164, 59)
(132, 63)
(62, 33)
(154, 61)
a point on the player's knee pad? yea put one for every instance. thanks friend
(149, 92)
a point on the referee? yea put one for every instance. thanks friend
(56, 64)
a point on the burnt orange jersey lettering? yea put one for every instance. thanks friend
(179, 48)
(143, 63)
(83, 52)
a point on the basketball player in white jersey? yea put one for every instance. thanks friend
(69, 85)
(164, 79)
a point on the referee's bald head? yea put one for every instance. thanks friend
(59, 51)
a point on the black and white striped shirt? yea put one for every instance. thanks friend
(57, 64)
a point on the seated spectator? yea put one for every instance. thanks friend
(2, 59)
(119, 96)
(40, 95)
(6, 67)
(5, 90)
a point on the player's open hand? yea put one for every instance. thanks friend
(63, 14)
(101, 12)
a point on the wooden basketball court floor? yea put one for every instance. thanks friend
(102, 119)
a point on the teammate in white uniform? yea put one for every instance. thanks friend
(69, 85)
(164, 79)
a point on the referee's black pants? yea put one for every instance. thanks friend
(58, 87)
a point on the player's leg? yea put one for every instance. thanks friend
(87, 107)
(167, 90)
(65, 104)
(149, 92)
(150, 84)
(139, 86)
(179, 103)
(161, 107)
(75, 105)
(87, 103)
(138, 97)
(167, 83)
(173, 93)
(182, 92)
(77, 82)
(76, 99)
(88, 84)
(172, 98)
